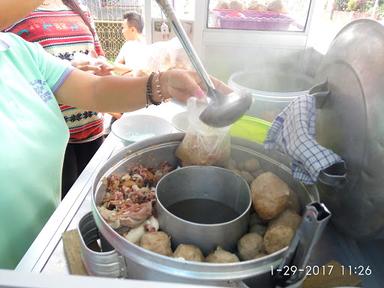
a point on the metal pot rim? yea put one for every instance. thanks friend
(160, 263)
(199, 224)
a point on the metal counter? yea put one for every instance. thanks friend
(46, 255)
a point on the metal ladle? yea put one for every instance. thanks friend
(222, 110)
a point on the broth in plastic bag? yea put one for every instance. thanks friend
(203, 144)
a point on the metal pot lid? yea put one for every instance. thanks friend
(350, 121)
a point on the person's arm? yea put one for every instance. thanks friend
(120, 57)
(92, 63)
(121, 68)
(111, 93)
(122, 94)
(16, 10)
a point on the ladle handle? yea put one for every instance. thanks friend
(180, 33)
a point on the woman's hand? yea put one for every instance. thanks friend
(97, 66)
(181, 84)
(105, 67)
(116, 115)
(121, 69)
(99, 69)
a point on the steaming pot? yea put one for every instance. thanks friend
(144, 264)
(350, 121)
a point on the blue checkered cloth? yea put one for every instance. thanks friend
(293, 133)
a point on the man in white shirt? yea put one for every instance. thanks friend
(133, 54)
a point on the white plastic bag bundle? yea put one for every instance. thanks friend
(165, 55)
(159, 59)
(203, 144)
(178, 56)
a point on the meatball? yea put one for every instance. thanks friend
(232, 164)
(251, 165)
(277, 237)
(249, 246)
(158, 242)
(247, 176)
(269, 195)
(287, 218)
(293, 202)
(134, 235)
(257, 173)
(255, 219)
(258, 228)
(189, 252)
(256, 224)
(254, 5)
(221, 256)
(240, 165)
(236, 5)
(276, 6)
(222, 5)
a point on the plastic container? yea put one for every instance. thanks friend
(252, 20)
(272, 89)
(247, 127)
(250, 128)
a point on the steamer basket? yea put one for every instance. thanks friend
(146, 265)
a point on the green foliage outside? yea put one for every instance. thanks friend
(380, 11)
(359, 5)
(354, 5)
(341, 5)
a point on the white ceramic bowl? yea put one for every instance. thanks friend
(180, 121)
(134, 128)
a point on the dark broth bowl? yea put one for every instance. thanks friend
(203, 205)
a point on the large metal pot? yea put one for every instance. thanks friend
(350, 121)
(144, 264)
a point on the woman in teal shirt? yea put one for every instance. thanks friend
(33, 134)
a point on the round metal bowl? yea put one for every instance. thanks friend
(144, 264)
(205, 206)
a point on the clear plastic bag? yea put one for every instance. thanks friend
(164, 55)
(178, 56)
(159, 58)
(202, 144)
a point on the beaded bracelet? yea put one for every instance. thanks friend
(158, 87)
(149, 91)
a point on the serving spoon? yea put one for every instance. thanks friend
(222, 110)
